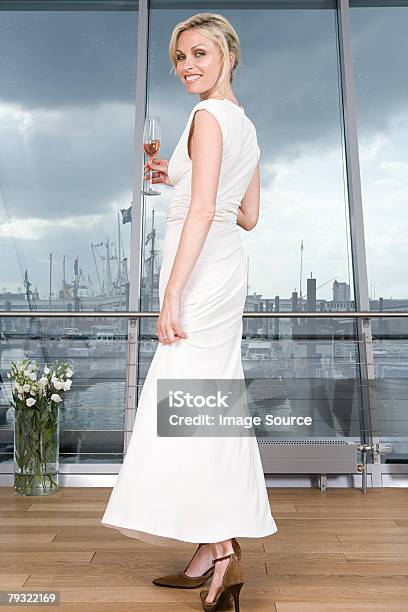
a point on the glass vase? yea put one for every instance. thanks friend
(36, 449)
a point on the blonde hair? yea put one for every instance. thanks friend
(218, 29)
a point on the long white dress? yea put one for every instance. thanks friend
(198, 489)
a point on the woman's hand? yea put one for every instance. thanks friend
(159, 168)
(168, 327)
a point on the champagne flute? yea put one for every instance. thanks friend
(151, 145)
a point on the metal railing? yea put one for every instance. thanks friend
(367, 446)
(252, 315)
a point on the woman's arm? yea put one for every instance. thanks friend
(242, 221)
(248, 212)
(206, 155)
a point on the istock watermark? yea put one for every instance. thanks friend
(214, 407)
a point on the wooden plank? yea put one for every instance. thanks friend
(333, 550)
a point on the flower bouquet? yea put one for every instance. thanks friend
(36, 399)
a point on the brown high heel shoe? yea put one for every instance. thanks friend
(231, 585)
(182, 581)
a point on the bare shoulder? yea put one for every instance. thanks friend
(207, 124)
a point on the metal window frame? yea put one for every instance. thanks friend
(357, 236)
(135, 262)
(87, 474)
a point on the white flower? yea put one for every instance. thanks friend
(26, 388)
(46, 370)
(26, 372)
(32, 376)
(55, 398)
(53, 379)
(43, 381)
(58, 385)
(67, 385)
(30, 402)
(8, 375)
(69, 373)
(20, 397)
(33, 391)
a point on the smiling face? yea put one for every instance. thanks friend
(199, 56)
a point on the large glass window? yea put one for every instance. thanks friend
(299, 253)
(379, 58)
(379, 46)
(66, 163)
(289, 86)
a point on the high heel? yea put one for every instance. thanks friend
(181, 580)
(232, 582)
(235, 590)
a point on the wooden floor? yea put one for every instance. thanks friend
(334, 550)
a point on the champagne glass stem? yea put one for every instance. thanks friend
(151, 175)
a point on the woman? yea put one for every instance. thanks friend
(205, 490)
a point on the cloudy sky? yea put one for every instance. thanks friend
(66, 129)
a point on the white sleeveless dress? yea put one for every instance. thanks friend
(198, 489)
